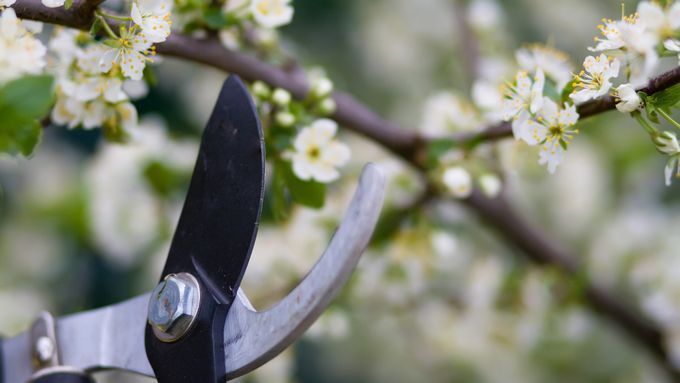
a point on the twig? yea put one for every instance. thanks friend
(467, 40)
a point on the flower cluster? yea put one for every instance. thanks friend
(633, 44)
(133, 48)
(302, 140)
(86, 97)
(632, 47)
(238, 23)
(96, 79)
(535, 104)
(21, 53)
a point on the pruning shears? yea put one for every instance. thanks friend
(197, 325)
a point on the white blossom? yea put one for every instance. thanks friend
(489, 98)
(524, 95)
(595, 80)
(523, 99)
(611, 31)
(446, 112)
(673, 45)
(554, 63)
(321, 86)
(484, 14)
(458, 181)
(272, 13)
(32, 26)
(281, 97)
(130, 53)
(628, 99)
(557, 134)
(53, 3)
(672, 167)
(667, 143)
(63, 45)
(153, 16)
(20, 52)
(317, 154)
(67, 111)
(88, 88)
(639, 54)
(238, 8)
(661, 22)
(230, 38)
(490, 185)
(135, 89)
(285, 119)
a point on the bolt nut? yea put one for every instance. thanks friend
(173, 306)
(44, 348)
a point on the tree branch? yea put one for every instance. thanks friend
(409, 145)
(585, 110)
(500, 215)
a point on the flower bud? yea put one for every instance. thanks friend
(490, 185)
(667, 143)
(285, 119)
(458, 182)
(321, 87)
(281, 97)
(327, 106)
(261, 90)
(628, 99)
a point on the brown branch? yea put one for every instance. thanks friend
(86, 8)
(409, 145)
(467, 40)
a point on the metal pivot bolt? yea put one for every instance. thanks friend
(173, 306)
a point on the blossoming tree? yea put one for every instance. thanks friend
(85, 64)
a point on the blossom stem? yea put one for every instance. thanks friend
(106, 26)
(641, 120)
(668, 118)
(111, 16)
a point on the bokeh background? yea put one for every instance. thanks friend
(86, 223)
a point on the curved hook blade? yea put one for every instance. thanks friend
(252, 338)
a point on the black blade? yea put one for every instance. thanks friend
(214, 236)
(217, 228)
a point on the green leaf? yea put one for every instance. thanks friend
(563, 144)
(567, 91)
(114, 132)
(163, 179)
(390, 221)
(150, 76)
(22, 103)
(215, 18)
(307, 193)
(438, 148)
(27, 98)
(68, 4)
(667, 98)
(20, 138)
(96, 27)
(280, 205)
(550, 89)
